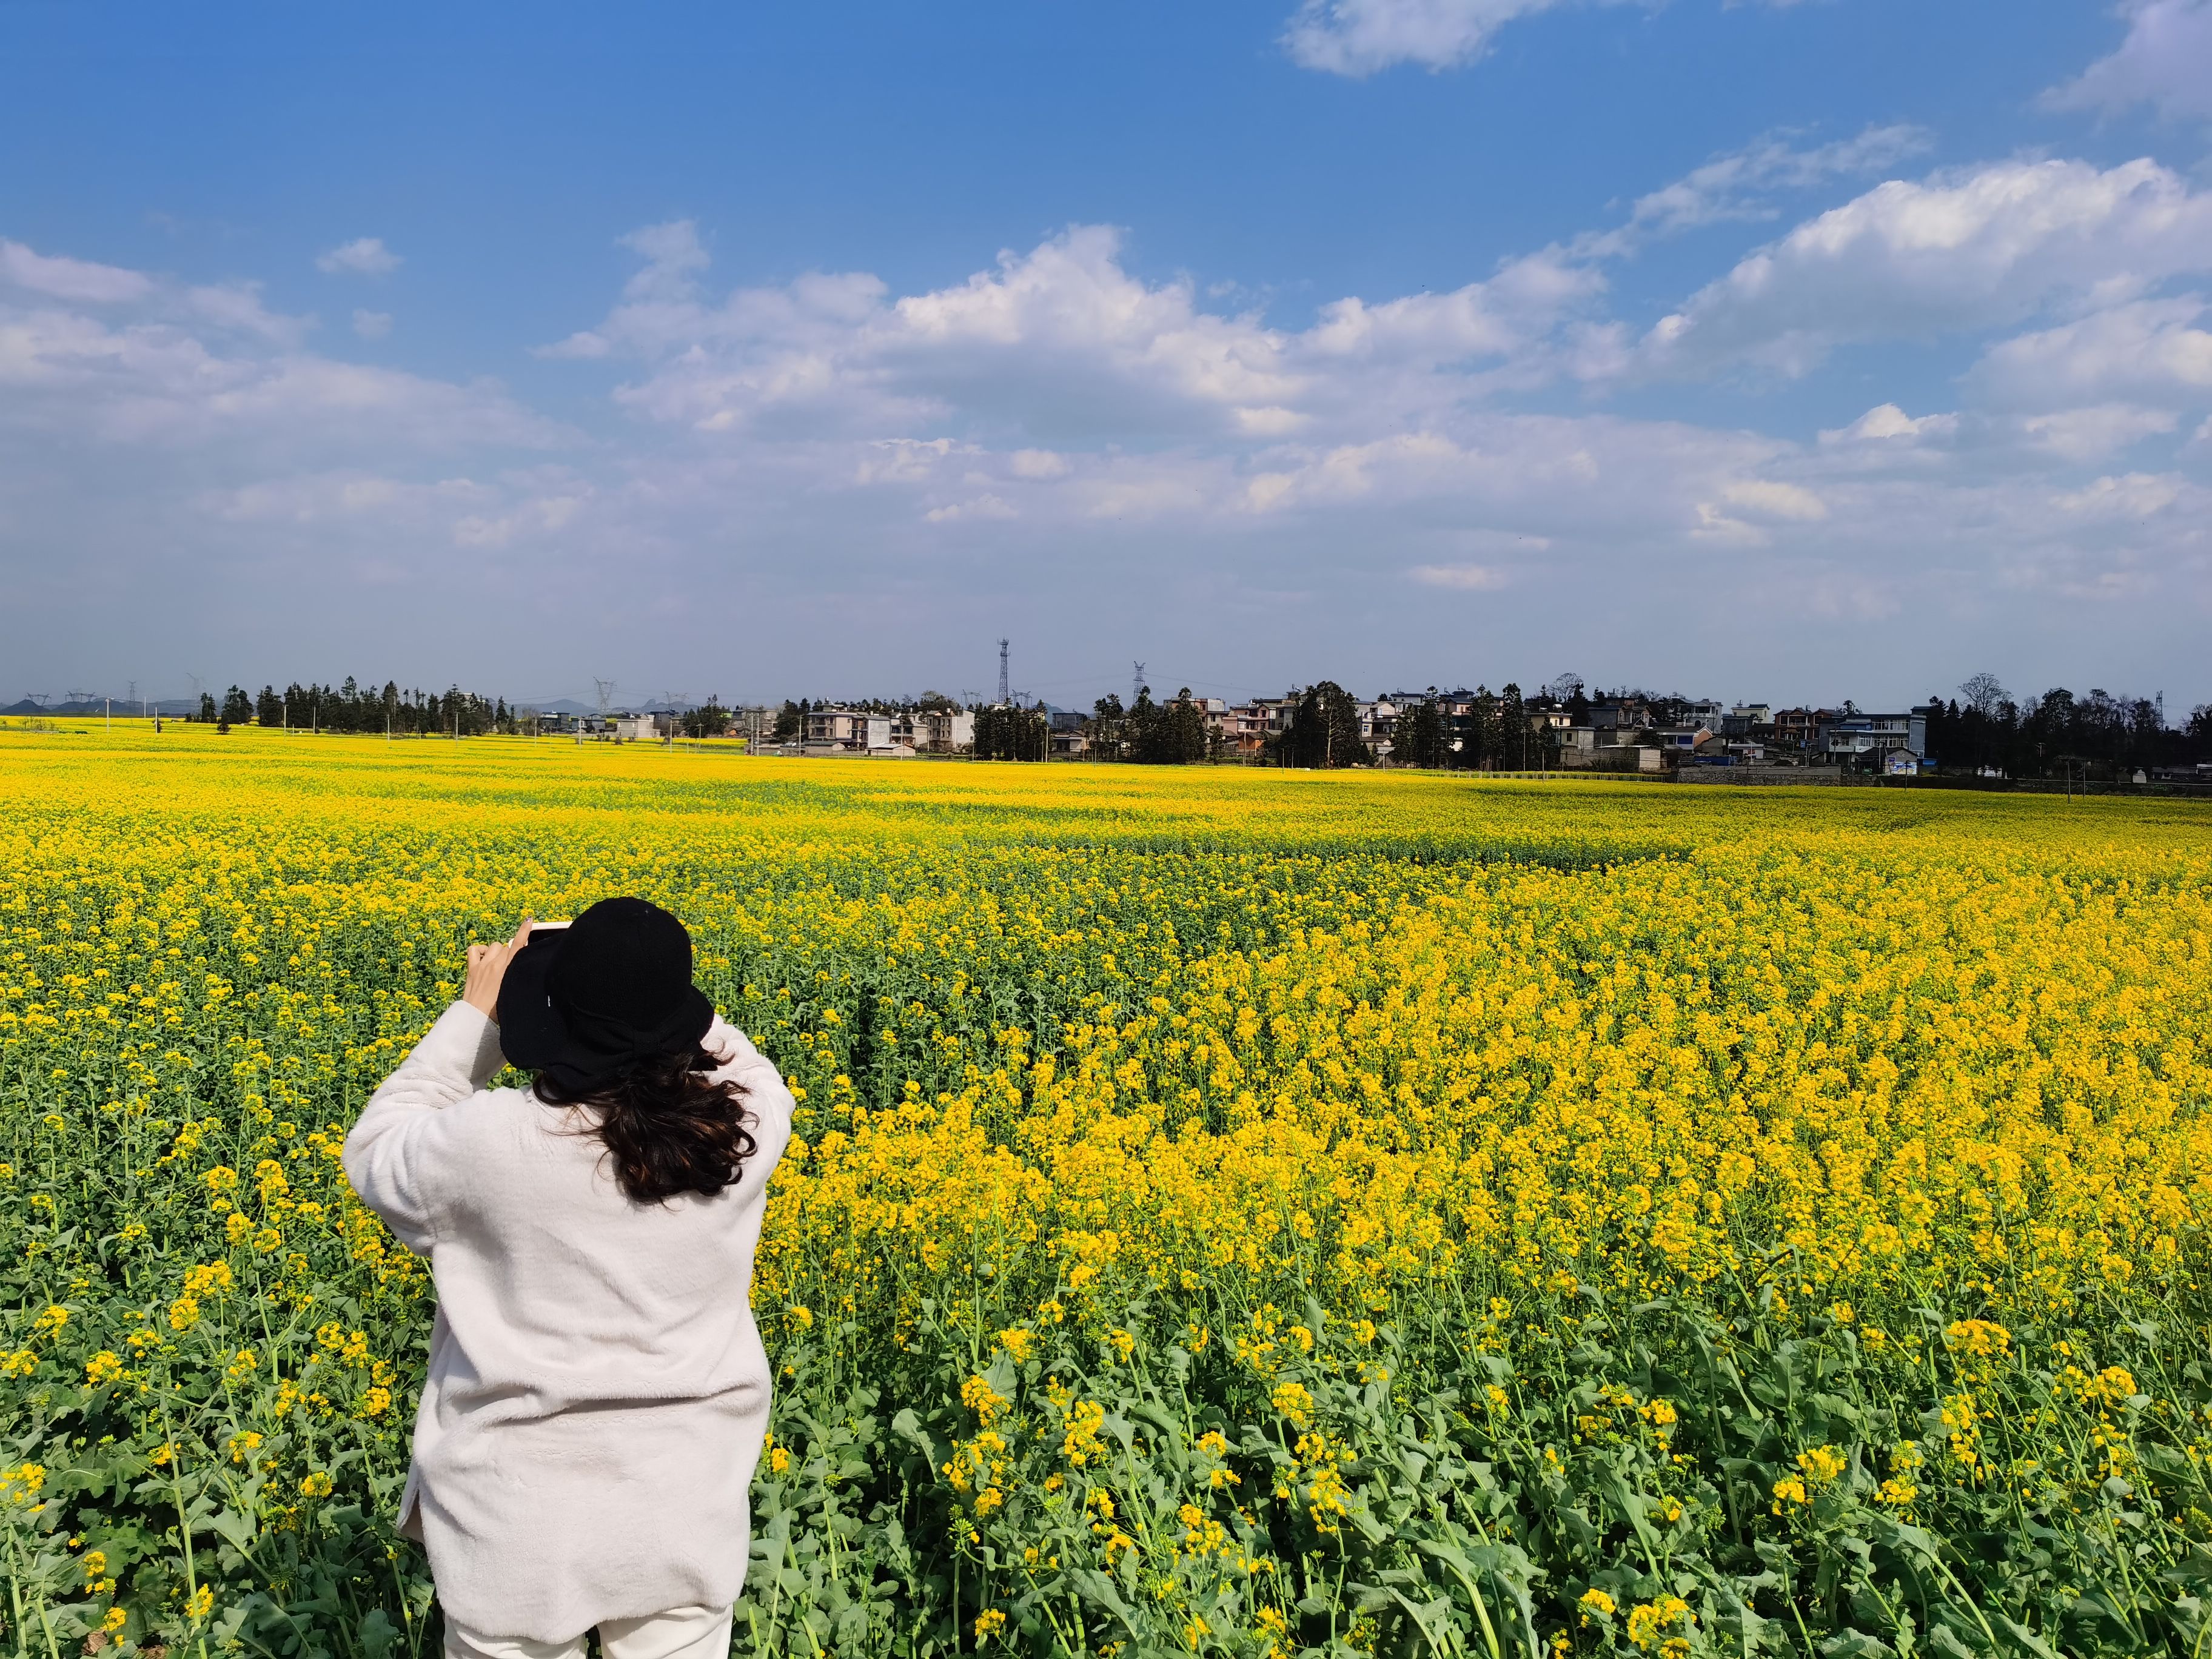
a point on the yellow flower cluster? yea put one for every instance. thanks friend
(1268, 1055)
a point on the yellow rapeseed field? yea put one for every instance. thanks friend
(1258, 1212)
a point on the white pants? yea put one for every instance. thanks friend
(679, 1633)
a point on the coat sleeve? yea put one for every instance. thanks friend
(400, 1154)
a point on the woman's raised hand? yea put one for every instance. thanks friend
(488, 967)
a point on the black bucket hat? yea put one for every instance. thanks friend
(611, 988)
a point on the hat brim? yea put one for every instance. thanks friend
(529, 1028)
(534, 1036)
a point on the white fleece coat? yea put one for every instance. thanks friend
(598, 1392)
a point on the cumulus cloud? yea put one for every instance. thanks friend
(2132, 495)
(1770, 498)
(365, 256)
(1465, 578)
(1961, 251)
(831, 437)
(2166, 61)
(1055, 345)
(211, 364)
(2093, 433)
(985, 506)
(1360, 37)
(236, 308)
(1886, 423)
(77, 279)
(2147, 350)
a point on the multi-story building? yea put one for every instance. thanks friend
(1800, 728)
(1378, 722)
(1745, 718)
(1871, 738)
(847, 728)
(1620, 714)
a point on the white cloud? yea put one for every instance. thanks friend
(1466, 578)
(1766, 500)
(75, 280)
(1962, 250)
(2164, 61)
(830, 436)
(318, 497)
(236, 308)
(2093, 433)
(212, 365)
(536, 517)
(1736, 184)
(2146, 349)
(1358, 37)
(1887, 423)
(2133, 495)
(365, 256)
(372, 324)
(983, 507)
(1061, 344)
(1771, 499)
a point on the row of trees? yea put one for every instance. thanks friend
(354, 707)
(1005, 732)
(1497, 732)
(1985, 726)
(1151, 733)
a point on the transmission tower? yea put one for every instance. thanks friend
(1002, 672)
(1136, 684)
(606, 689)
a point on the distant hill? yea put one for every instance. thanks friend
(99, 705)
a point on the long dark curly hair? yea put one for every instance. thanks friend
(669, 1127)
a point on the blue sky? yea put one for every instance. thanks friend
(1792, 351)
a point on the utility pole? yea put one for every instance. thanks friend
(1002, 672)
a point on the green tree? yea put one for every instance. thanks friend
(1109, 721)
(1325, 730)
(710, 720)
(1480, 750)
(1167, 734)
(1004, 733)
(1512, 728)
(1420, 739)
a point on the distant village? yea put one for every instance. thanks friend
(1983, 733)
(1563, 728)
